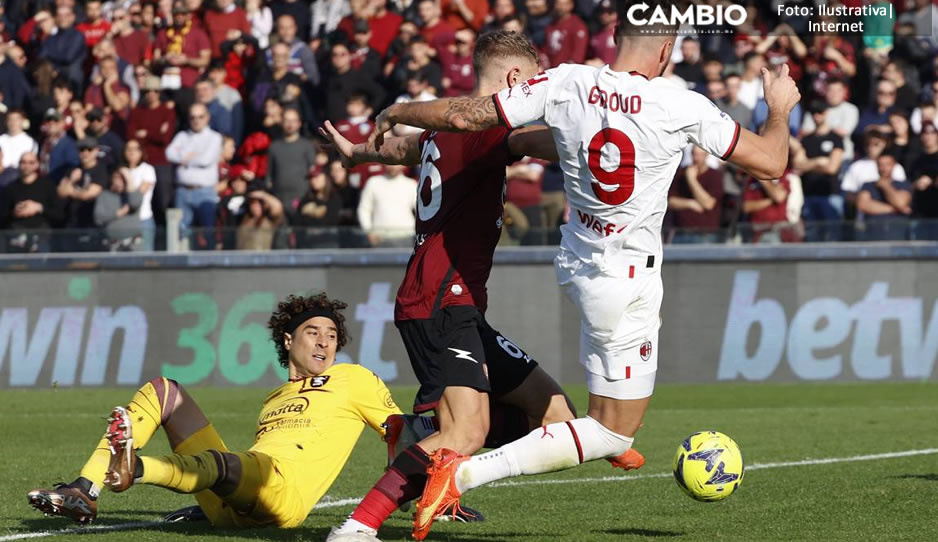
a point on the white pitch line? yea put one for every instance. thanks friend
(330, 503)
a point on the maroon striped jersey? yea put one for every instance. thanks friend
(460, 204)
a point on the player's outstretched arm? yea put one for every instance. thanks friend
(464, 114)
(404, 151)
(766, 156)
(533, 141)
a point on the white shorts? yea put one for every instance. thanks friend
(638, 387)
(619, 317)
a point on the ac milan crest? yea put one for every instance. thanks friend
(645, 350)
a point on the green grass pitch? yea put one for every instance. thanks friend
(46, 436)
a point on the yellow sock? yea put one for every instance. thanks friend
(180, 473)
(146, 411)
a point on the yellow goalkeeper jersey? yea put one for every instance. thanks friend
(310, 426)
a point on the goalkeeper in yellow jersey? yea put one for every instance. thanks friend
(305, 432)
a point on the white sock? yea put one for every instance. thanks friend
(550, 448)
(351, 526)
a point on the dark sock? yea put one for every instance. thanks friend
(402, 482)
(507, 423)
(138, 470)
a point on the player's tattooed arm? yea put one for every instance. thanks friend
(403, 151)
(465, 114)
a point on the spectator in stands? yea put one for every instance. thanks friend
(320, 208)
(416, 91)
(387, 209)
(419, 59)
(65, 47)
(141, 177)
(523, 190)
(229, 98)
(830, 56)
(926, 111)
(566, 37)
(29, 203)
(865, 170)
(300, 58)
(925, 178)
(364, 58)
(696, 201)
(132, 45)
(458, 72)
(221, 116)
(8, 174)
(539, 18)
(750, 85)
(903, 144)
(349, 194)
(602, 44)
(460, 14)
(298, 9)
(842, 116)
(226, 22)
(819, 157)
(196, 153)
(690, 68)
(261, 20)
(13, 82)
(289, 159)
(58, 154)
(110, 145)
(260, 222)
(152, 123)
(501, 11)
(356, 128)
(766, 205)
(731, 105)
(435, 31)
(183, 50)
(877, 116)
(343, 81)
(79, 189)
(16, 142)
(883, 201)
(94, 26)
(107, 91)
(117, 211)
(62, 96)
(906, 94)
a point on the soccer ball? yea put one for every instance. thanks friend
(708, 466)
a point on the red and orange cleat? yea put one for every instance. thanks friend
(631, 459)
(66, 501)
(120, 471)
(440, 494)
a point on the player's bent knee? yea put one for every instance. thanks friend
(559, 409)
(229, 472)
(169, 393)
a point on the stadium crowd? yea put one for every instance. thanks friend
(116, 111)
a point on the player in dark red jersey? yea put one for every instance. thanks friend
(459, 359)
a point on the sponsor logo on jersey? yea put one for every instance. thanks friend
(645, 350)
(597, 225)
(295, 406)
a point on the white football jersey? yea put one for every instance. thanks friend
(620, 138)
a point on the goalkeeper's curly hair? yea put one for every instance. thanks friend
(294, 305)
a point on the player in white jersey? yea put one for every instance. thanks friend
(619, 131)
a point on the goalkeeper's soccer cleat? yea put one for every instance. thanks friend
(120, 471)
(631, 459)
(440, 494)
(189, 513)
(65, 500)
(460, 513)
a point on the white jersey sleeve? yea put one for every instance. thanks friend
(706, 126)
(525, 103)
